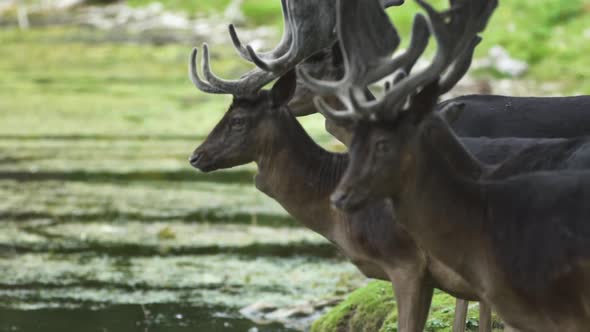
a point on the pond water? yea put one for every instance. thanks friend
(168, 317)
(86, 246)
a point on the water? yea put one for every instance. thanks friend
(133, 240)
(126, 318)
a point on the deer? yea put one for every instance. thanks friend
(300, 106)
(520, 238)
(309, 203)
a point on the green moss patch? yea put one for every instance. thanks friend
(373, 308)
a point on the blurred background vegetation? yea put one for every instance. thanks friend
(99, 207)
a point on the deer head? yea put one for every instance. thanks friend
(251, 123)
(387, 131)
(234, 139)
(308, 42)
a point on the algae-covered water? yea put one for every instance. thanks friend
(104, 226)
(135, 245)
(169, 317)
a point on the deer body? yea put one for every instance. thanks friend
(531, 288)
(519, 237)
(522, 242)
(506, 116)
(300, 175)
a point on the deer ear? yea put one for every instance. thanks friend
(424, 102)
(284, 89)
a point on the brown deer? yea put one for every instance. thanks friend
(521, 241)
(300, 175)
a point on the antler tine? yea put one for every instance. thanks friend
(460, 68)
(321, 87)
(454, 37)
(406, 60)
(311, 24)
(392, 3)
(278, 51)
(366, 37)
(330, 113)
(250, 82)
(197, 81)
(403, 64)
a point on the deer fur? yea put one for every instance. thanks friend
(300, 175)
(520, 237)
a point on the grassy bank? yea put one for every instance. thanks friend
(372, 308)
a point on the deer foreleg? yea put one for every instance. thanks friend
(413, 295)
(461, 307)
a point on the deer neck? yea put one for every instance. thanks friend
(300, 175)
(440, 204)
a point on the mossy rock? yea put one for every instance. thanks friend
(373, 308)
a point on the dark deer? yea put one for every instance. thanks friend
(328, 64)
(521, 241)
(300, 175)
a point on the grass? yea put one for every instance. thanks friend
(550, 35)
(64, 83)
(373, 308)
(258, 12)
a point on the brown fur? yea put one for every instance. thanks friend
(300, 175)
(447, 201)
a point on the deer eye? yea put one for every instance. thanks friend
(237, 123)
(382, 147)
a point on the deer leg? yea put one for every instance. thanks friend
(460, 321)
(413, 298)
(485, 317)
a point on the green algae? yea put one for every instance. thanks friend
(81, 201)
(223, 280)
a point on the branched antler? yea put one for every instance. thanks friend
(249, 83)
(279, 50)
(455, 31)
(308, 28)
(367, 41)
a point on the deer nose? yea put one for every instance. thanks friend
(194, 159)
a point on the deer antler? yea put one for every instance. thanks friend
(367, 41)
(308, 29)
(278, 51)
(312, 35)
(455, 31)
(249, 83)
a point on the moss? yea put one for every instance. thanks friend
(365, 309)
(373, 308)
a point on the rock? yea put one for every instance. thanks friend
(151, 23)
(233, 12)
(499, 60)
(298, 316)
